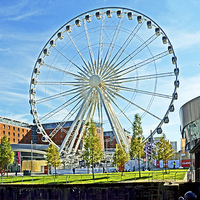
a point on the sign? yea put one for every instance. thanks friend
(183, 144)
(19, 158)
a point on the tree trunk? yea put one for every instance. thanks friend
(88, 168)
(7, 170)
(93, 171)
(55, 171)
(92, 165)
(139, 165)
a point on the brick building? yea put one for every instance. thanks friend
(16, 131)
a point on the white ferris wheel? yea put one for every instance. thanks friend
(107, 65)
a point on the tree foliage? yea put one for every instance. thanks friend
(53, 156)
(6, 155)
(120, 156)
(163, 150)
(92, 146)
(137, 144)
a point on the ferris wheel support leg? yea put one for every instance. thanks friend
(120, 129)
(78, 126)
(89, 116)
(75, 121)
(110, 118)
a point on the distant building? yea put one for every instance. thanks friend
(174, 146)
(16, 131)
(110, 140)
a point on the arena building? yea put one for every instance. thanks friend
(190, 131)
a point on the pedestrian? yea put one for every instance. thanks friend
(103, 170)
(174, 165)
(73, 170)
(16, 173)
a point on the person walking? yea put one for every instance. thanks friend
(174, 165)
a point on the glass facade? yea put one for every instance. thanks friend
(192, 134)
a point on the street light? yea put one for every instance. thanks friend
(32, 156)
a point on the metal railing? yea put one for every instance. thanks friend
(83, 178)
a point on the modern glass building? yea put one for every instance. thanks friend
(190, 122)
(190, 130)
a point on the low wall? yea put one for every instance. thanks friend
(116, 191)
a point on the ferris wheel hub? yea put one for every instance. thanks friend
(94, 81)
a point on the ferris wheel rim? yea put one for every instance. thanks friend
(175, 87)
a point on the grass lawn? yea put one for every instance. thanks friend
(175, 175)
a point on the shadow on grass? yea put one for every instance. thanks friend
(24, 181)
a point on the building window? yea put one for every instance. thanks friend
(27, 131)
(18, 129)
(18, 135)
(13, 140)
(98, 130)
(3, 132)
(22, 130)
(8, 127)
(61, 140)
(8, 133)
(61, 135)
(13, 128)
(61, 130)
(13, 134)
(3, 126)
(22, 135)
(18, 140)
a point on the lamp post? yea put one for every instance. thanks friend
(31, 157)
(32, 144)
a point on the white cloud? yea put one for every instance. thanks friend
(23, 16)
(185, 40)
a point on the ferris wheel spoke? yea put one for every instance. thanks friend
(89, 44)
(70, 61)
(137, 78)
(125, 45)
(112, 99)
(68, 116)
(137, 66)
(134, 104)
(66, 72)
(140, 91)
(61, 83)
(61, 107)
(58, 95)
(113, 41)
(79, 52)
(131, 55)
(100, 49)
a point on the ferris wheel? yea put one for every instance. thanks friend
(106, 64)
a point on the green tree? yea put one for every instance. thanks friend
(163, 150)
(120, 156)
(137, 144)
(92, 146)
(6, 155)
(53, 156)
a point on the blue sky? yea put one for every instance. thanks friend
(27, 25)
